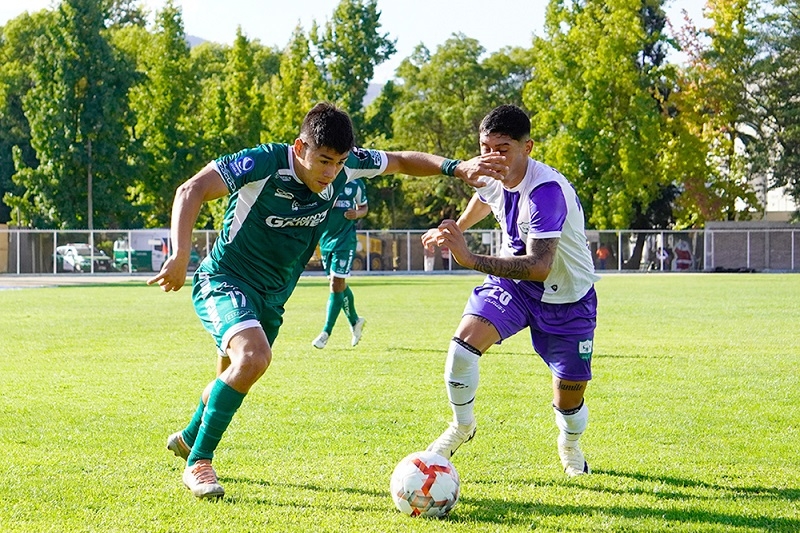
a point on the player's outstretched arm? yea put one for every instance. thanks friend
(491, 165)
(204, 186)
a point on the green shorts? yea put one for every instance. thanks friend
(226, 305)
(338, 263)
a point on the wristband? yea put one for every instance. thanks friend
(449, 166)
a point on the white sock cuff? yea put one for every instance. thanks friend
(573, 424)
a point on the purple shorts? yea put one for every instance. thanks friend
(562, 334)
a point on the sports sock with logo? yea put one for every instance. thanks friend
(461, 376)
(349, 306)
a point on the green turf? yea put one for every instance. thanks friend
(693, 424)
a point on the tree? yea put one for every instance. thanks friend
(293, 91)
(443, 99)
(350, 49)
(712, 106)
(597, 104)
(777, 74)
(80, 124)
(16, 56)
(164, 104)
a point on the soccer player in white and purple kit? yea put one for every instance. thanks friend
(543, 280)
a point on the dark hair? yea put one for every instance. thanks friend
(507, 120)
(327, 126)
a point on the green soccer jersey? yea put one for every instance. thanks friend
(340, 233)
(273, 221)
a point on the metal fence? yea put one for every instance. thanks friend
(28, 251)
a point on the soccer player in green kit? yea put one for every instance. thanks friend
(338, 247)
(279, 198)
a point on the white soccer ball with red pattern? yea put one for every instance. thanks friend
(425, 484)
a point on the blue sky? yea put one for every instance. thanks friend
(411, 22)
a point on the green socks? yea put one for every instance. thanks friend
(223, 402)
(190, 433)
(349, 306)
(335, 300)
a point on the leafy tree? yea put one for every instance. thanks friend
(16, 56)
(777, 155)
(444, 97)
(350, 48)
(713, 107)
(79, 119)
(164, 105)
(293, 91)
(597, 101)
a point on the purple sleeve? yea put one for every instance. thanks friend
(548, 210)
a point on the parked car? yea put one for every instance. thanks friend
(78, 257)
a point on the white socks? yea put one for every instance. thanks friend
(461, 377)
(571, 424)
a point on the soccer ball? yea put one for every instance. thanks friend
(425, 484)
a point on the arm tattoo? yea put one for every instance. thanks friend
(533, 265)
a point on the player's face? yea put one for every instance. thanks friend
(515, 152)
(317, 167)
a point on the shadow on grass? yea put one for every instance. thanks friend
(790, 495)
(516, 512)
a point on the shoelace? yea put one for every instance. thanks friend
(204, 473)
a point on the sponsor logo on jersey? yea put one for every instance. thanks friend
(293, 222)
(585, 349)
(280, 193)
(297, 206)
(376, 158)
(241, 165)
(342, 204)
(523, 227)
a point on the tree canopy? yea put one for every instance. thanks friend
(105, 109)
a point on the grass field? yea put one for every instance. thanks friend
(693, 425)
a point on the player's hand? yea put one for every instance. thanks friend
(429, 239)
(474, 171)
(351, 214)
(450, 236)
(172, 275)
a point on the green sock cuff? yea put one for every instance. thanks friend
(223, 402)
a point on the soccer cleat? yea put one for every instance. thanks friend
(358, 329)
(573, 460)
(201, 479)
(321, 340)
(453, 437)
(176, 445)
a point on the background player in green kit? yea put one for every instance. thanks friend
(338, 247)
(279, 198)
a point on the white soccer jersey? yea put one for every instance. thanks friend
(544, 206)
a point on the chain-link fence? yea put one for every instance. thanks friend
(27, 251)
